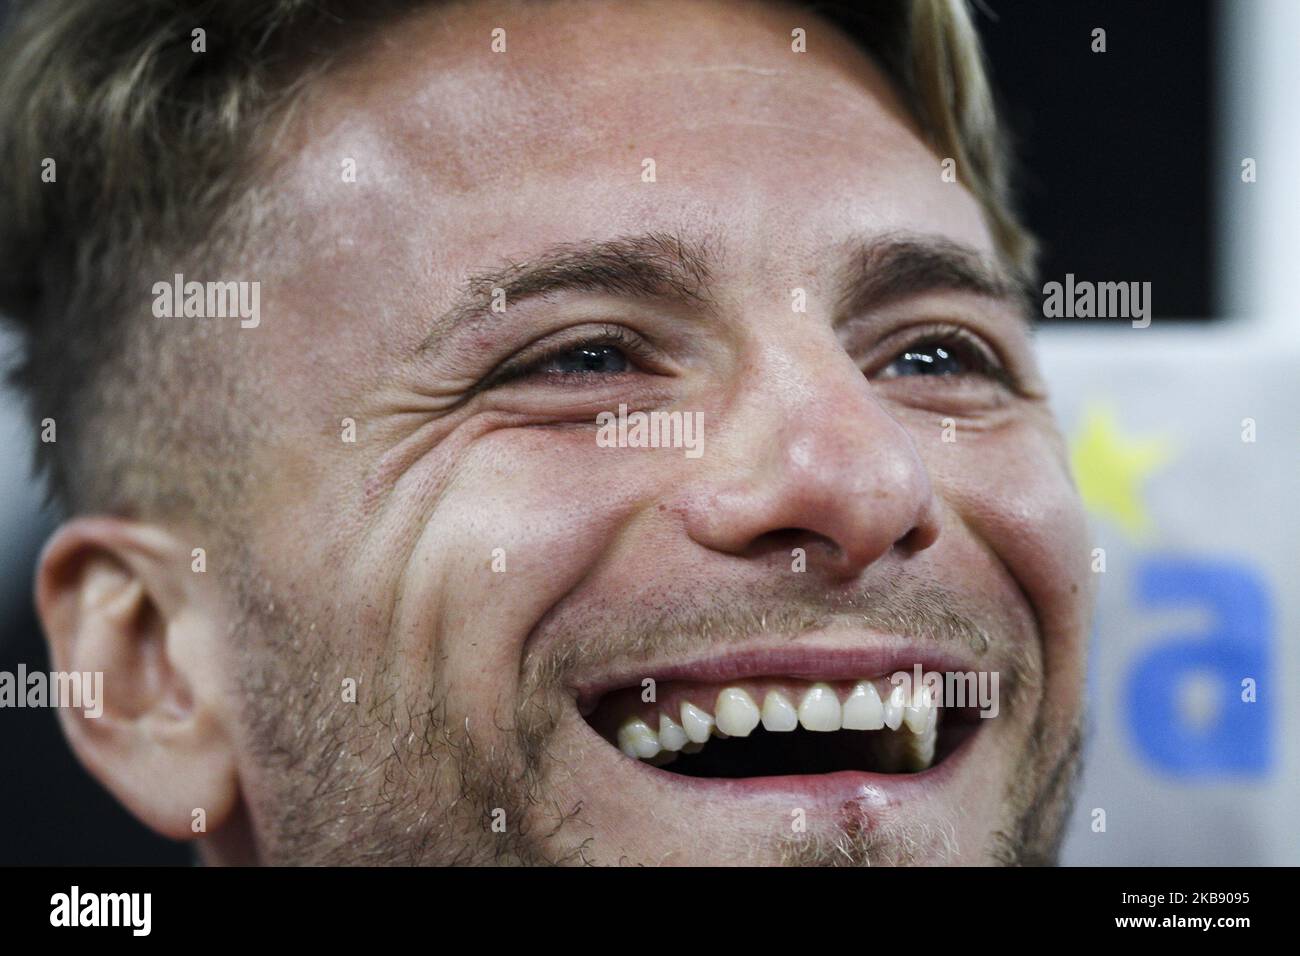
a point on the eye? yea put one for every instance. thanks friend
(589, 358)
(950, 354)
(929, 359)
(584, 356)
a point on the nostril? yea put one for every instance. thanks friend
(916, 540)
(923, 534)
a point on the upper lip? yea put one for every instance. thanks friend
(804, 658)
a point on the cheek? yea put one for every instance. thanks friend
(1012, 489)
(525, 518)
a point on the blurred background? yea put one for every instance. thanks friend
(1170, 159)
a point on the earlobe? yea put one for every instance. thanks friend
(118, 598)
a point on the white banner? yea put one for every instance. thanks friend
(1187, 449)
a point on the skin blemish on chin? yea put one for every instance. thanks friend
(860, 816)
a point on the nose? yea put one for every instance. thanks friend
(814, 461)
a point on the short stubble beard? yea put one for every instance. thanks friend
(400, 782)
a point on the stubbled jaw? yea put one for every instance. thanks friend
(777, 751)
(776, 726)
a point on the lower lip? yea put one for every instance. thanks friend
(826, 790)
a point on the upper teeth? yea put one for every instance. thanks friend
(636, 739)
(863, 710)
(893, 708)
(778, 713)
(671, 734)
(737, 714)
(820, 708)
(697, 724)
(919, 714)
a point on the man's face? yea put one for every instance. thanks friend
(879, 482)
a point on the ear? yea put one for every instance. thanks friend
(121, 599)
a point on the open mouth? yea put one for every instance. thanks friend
(773, 727)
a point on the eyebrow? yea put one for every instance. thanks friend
(656, 265)
(664, 266)
(894, 266)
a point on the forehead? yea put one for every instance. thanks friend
(479, 155)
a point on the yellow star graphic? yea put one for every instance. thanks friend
(1111, 469)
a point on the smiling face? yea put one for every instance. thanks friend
(879, 482)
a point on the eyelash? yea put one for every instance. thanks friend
(631, 344)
